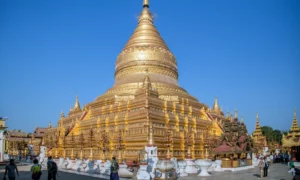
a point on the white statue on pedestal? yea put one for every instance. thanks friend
(152, 159)
(106, 169)
(77, 164)
(60, 162)
(84, 166)
(71, 163)
(191, 167)
(42, 156)
(123, 171)
(218, 165)
(182, 164)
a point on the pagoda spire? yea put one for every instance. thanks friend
(257, 130)
(216, 107)
(295, 126)
(62, 115)
(236, 113)
(77, 105)
(242, 120)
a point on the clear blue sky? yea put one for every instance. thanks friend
(247, 53)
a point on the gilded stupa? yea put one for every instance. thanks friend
(144, 104)
(291, 141)
(259, 140)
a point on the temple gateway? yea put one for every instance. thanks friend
(145, 107)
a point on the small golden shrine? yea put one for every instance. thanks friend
(291, 141)
(145, 104)
(259, 140)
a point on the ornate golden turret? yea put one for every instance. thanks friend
(62, 115)
(77, 105)
(216, 108)
(295, 127)
(258, 138)
(292, 139)
(257, 130)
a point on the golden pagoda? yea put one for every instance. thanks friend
(143, 106)
(291, 141)
(259, 140)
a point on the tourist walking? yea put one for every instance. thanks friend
(52, 169)
(114, 169)
(11, 170)
(36, 170)
(266, 167)
(261, 166)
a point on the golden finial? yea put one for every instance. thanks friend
(62, 115)
(257, 118)
(146, 3)
(295, 114)
(77, 105)
(216, 107)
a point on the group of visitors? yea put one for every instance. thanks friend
(281, 158)
(11, 170)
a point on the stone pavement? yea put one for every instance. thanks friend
(276, 172)
(26, 174)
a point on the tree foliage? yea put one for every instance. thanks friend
(272, 135)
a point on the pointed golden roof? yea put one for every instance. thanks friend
(77, 105)
(146, 49)
(295, 126)
(257, 131)
(216, 107)
(62, 114)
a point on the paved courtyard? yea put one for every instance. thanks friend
(276, 172)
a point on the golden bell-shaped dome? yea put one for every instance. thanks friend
(146, 50)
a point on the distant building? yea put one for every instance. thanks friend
(17, 141)
(2, 129)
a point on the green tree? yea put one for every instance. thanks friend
(271, 135)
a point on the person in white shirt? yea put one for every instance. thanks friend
(266, 166)
(293, 171)
(271, 158)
